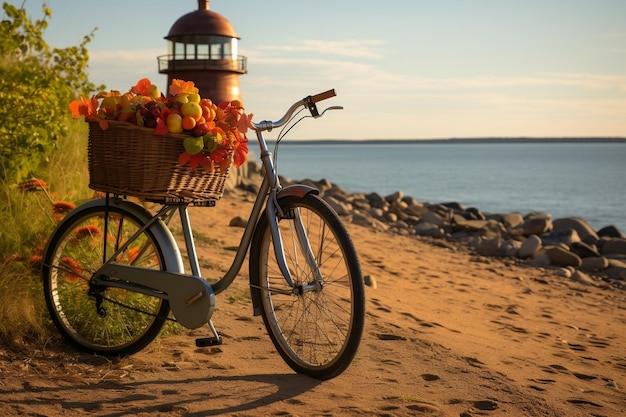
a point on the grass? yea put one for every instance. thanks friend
(27, 220)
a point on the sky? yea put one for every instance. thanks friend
(402, 69)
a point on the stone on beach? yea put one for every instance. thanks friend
(585, 231)
(529, 247)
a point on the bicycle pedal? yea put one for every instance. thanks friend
(208, 341)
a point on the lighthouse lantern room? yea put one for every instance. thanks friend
(202, 47)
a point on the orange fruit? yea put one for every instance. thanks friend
(188, 123)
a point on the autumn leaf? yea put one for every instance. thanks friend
(161, 127)
(83, 107)
(184, 158)
(104, 125)
(143, 87)
(182, 87)
(245, 122)
(241, 154)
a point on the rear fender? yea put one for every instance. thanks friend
(172, 257)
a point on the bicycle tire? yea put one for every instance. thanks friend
(316, 332)
(75, 251)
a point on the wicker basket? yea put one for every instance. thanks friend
(130, 160)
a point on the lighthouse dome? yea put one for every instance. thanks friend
(201, 22)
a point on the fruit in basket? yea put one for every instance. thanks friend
(188, 123)
(210, 142)
(216, 133)
(200, 129)
(194, 98)
(174, 123)
(193, 145)
(154, 91)
(192, 109)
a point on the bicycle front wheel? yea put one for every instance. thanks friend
(107, 321)
(316, 331)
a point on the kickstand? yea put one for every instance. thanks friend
(209, 341)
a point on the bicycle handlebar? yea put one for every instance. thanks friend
(309, 102)
(323, 96)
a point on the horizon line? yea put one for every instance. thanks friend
(500, 139)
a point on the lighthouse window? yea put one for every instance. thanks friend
(217, 51)
(179, 50)
(203, 52)
(190, 51)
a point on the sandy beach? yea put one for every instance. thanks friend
(447, 333)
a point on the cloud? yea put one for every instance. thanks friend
(347, 48)
(125, 57)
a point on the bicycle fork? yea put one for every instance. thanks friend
(274, 212)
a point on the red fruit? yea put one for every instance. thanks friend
(201, 129)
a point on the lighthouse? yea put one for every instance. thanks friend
(202, 47)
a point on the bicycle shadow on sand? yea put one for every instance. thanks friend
(204, 396)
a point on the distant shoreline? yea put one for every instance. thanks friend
(454, 140)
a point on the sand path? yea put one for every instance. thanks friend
(447, 334)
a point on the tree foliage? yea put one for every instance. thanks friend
(36, 84)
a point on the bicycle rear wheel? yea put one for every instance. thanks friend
(317, 332)
(107, 321)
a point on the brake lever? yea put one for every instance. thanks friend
(331, 108)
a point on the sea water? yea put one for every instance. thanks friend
(584, 179)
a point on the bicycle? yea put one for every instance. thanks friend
(112, 271)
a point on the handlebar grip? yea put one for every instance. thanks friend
(323, 96)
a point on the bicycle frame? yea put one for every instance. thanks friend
(192, 299)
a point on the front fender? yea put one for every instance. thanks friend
(298, 190)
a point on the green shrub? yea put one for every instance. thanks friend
(38, 138)
(36, 84)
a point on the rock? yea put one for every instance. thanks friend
(582, 278)
(585, 231)
(493, 229)
(617, 262)
(535, 226)
(563, 272)
(616, 272)
(394, 197)
(594, 263)
(367, 221)
(613, 246)
(541, 259)
(529, 247)
(390, 217)
(454, 206)
(340, 207)
(370, 281)
(538, 215)
(562, 257)
(238, 222)
(376, 212)
(510, 220)
(249, 186)
(473, 213)
(565, 236)
(398, 206)
(584, 250)
(432, 217)
(425, 228)
(610, 231)
(361, 203)
(469, 225)
(490, 247)
(510, 248)
(375, 200)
